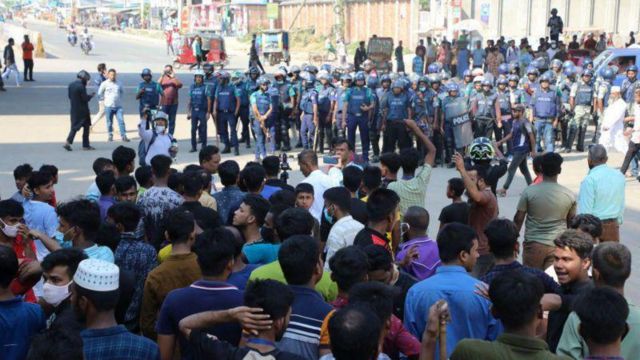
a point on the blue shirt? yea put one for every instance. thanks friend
(478, 57)
(93, 193)
(104, 203)
(117, 343)
(228, 199)
(308, 311)
(261, 252)
(19, 321)
(470, 312)
(602, 193)
(42, 217)
(240, 278)
(269, 190)
(200, 296)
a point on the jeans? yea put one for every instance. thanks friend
(632, 152)
(171, 110)
(117, 111)
(362, 123)
(13, 68)
(307, 131)
(519, 161)
(28, 69)
(227, 122)
(544, 132)
(199, 125)
(261, 149)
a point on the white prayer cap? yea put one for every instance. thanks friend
(615, 89)
(97, 275)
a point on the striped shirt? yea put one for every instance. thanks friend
(412, 192)
(308, 311)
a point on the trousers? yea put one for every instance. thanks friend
(362, 124)
(395, 133)
(226, 122)
(117, 112)
(84, 125)
(307, 131)
(28, 69)
(544, 133)
(199, 126)
(261, 149)
(519, 161)
(171, 111)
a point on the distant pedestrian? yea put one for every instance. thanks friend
(254, 58)
(555, 25)
(80, 114)
(398, 53)
(632, 40)
(10, 62)
(168, 33)
(360, 56)
(112, 91)
(102, 76)
(1, 82)
(342, 52)
(196, 47)
(420, 49)
(27, 57)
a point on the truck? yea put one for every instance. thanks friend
(619, 57)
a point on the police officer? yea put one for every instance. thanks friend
(210, 78)
(602, 99)
(515, 94)
(374, 119)
(338, 104)
(529, 84)
(438, 120)
(467, 82)
(358, 101)
(296, 86)
(504, 102)
(243, 112)
(486, 111)
(556, 68)
(309, 110)
(261, 107)
(149, 92)
(565, 85)
(198, 109)
(422, 104)
(475, 88)
(226, 108)
(286, 107)
(545, 108)
(581, 100)
(396, 107)
(629, 84)
(457, 122)
(325, 99)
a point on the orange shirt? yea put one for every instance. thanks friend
(27, 51)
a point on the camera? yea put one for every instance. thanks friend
(284, 167)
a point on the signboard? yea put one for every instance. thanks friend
(272, 11)
(485, 10)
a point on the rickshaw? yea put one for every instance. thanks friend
(379, 50)
(275, 46)
(212, 43)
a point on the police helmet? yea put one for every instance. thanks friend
(295, 69)
(545, 78)
(514, 66)
(445, 75)
(556, 63)
(398, 84)
(312, 69)
(503, 68)
(514, 77)
(145, 72)
(477, 72)
(236, 75)
(607, 73)
(434, 78)
(414, 78)
(434, 68)
(423, 79)
(385, 77)
(323, 75)
(452, 87)
(310, 80)
(161, 115)
(487, 82)
(198, 73)
(481, 149)
(532, 71)
(466, 73)
(82, 74)
(587, 61)
(279, 72)
(326, 67)
(346, 77)
(567, 63)
(633, 68)
(254, 71)
(569, 71)
(360, 76)
(479, 79)
(224, 74)
(503, 81)
(263, 80)
(587, 72)
(372, 82)
(207, 67)
(541, 63)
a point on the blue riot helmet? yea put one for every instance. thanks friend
(434, 78)
(532, 71)
(445, 76)
(423, 79)
(309, 80)
(372, 82)
(326, 67)
(586, 62)
(434, 68)
(263, 80)
(451, 87)
(503, 69)
(567, 63)
(398, 84)
(545, 78)
(145, 72)
(556, 64)
(360, 76)
(587, 72)
(385, 77)
(514, 67)
(295, 69)
(607, 73)
(633, 68)
(467, 73)
(503, 81)
(514, 77)
(346, 77)
(487, 82)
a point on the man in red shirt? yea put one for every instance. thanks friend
(169, 101)
(27, 57)
(590, 43)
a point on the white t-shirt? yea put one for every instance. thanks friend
(320, 182)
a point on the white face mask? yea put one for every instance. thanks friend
(55, 294)
(160, 128)
(9, 230)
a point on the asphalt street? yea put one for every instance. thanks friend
(35, 121)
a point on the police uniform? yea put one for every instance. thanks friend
(199, 100)
(422, 105)
(150, 98)
(504, 101)
(338, 99)
(227, 98)
(325, 99)
(602, 93)
(308, 99)
(354, 98)
(243, 112)
(582, 93)
(545, 106)
(627, 88)
(284, 119)
(484, 105)
(565, 93)
(262, 100)
(396, 109)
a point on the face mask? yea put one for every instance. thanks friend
(54, 294)
(422, 88)
(9, 230)
(160, 129)
(66, 236)
(267, 234)
(327, 217)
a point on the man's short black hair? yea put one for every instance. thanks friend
(39, 178)
(70, 258)
(536, 164)
(102, 300)
(259, 207)
(352, 178)
(11, 208)
(180, 224)
(376, 295)
(51, 169)
(252, 177)
(349, 266)
(273, 297)
(340, 197)
(191, 183)
(22, 171)
(207, 152)
(229, 171)
(174, 182)
(340, 141)
(160, 165)
(123, 156)
(83, 214)
(409, 159)
(516, 298)
(56, 344)
(105, 181)
(354, 332)
(378, 258)
(192, 168)
(503, 237)
(124, 183)
(603, 314)
(125, 213)
(215, 249)
(392, 161)
(108, 235)
(8, 266)
(551, 164)
(381, 204)
(372, 177)
(294, 221)
(587, 223)
(454, 238)
(283, 197)
(304, 188)
(271, 165)
(144, 176)
(298, 257)
(457, 186)
(578, 241)
(613, 263)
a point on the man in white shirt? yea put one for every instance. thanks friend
(337, 201)
(308, 163)
(344, 152)
(112, 92)
(157, 140)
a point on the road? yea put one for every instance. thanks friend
(35, 123)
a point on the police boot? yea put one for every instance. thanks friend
(582, 132)
(570, 138)
(226, 149)
(236, 151)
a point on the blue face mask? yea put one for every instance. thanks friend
(423, 88)
(327, 217)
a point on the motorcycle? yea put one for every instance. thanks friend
(72, 38)
(86, 45)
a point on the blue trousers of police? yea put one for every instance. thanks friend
(307, 131)
(226, 123)
(362, 124)
(544, 132)
(261, 148)
(199, 125)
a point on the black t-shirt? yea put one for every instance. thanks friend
(205, 217)
(359, 211)
(404, 283)
(456, 212)
(206, 347)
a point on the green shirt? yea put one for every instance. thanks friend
(326, 287)
(506, 346)
(412, 192)
(571, 343)
(547, 205)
